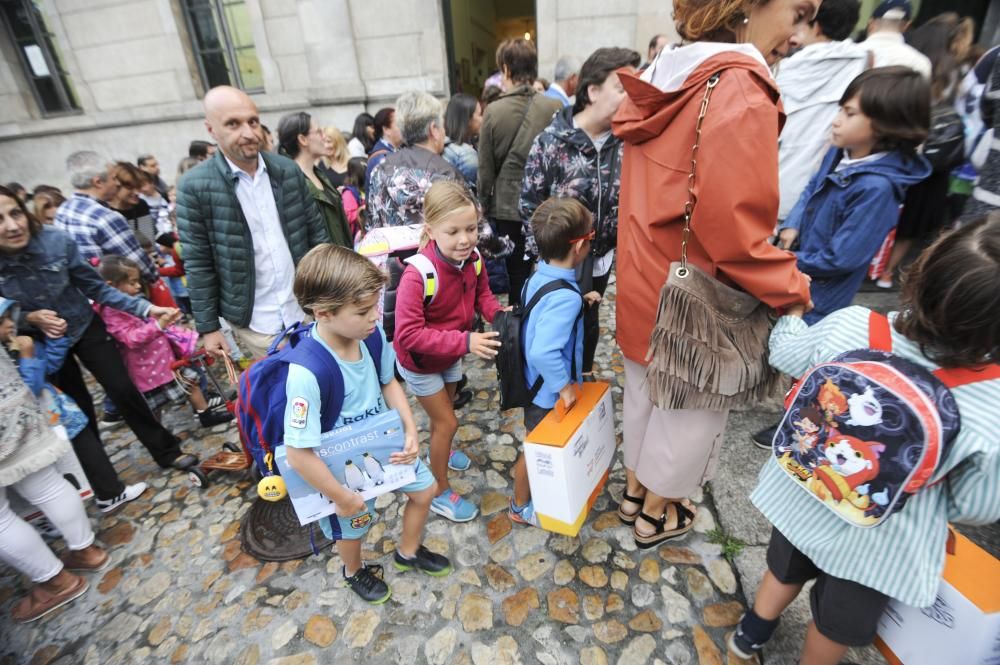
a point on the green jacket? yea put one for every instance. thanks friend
(510, 125)
(331, 207)
(218, 249)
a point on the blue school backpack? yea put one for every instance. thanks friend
(260, 406)
(866, 430)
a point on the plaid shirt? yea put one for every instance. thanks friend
(98, 231)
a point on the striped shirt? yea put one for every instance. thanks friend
(904, 556)
(98, 231)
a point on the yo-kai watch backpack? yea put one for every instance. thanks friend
(864, 431)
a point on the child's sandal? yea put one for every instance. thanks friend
(629, 518)
(685, 520)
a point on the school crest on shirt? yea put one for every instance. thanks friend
(300, 413)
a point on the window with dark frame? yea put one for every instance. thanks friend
(222, 39)
(39, 56)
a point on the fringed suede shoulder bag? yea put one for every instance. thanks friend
(708, 349)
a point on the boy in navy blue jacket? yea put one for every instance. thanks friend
(852, 203)
(553, 333)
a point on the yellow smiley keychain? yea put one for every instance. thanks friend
(272, 486)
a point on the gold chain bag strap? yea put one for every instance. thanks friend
(708, 349)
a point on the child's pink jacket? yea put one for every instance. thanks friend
(145, 348)
(432, 338)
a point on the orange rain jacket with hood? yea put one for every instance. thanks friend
(736, 185)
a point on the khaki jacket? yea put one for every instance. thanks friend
(504, 147)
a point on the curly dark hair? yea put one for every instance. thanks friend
(951, 296)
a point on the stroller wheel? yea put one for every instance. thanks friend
(231, 447)
(197, 478)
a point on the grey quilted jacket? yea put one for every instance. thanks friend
(217, 247)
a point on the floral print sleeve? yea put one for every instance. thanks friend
(534, 189)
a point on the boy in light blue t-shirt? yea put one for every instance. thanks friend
(341, 290)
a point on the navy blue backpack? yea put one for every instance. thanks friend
(260, 406)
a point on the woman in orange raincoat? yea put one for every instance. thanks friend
(671, 453)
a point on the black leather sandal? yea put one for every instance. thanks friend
(629, 518)
(685, 520)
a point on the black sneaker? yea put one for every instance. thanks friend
(745, 646)
(765, 437)
(742, 646)
(429, 562)
(368, 584)
(215, 401)
(210, 418)
(182, 462)
(112, 418)
(462, 398)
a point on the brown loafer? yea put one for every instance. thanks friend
(40, 602)
(86, 561)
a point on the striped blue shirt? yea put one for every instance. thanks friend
(904, 556)
(99, 231)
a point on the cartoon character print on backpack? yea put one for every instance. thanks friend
(864, 431)
(847, 466)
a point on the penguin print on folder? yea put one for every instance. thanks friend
(354, 477)
(374, 469)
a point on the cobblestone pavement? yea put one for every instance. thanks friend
(181, 591)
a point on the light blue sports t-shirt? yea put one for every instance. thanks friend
(362, 393)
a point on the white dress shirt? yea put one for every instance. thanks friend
(274, 304)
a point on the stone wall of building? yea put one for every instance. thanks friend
(136, 79)
(137, 83)
(577, 27)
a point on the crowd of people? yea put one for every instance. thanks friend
(776, 160)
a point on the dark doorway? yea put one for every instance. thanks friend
(473, 29)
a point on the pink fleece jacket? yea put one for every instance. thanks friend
(143, 345)
(431, 339)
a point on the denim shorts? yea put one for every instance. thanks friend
(354, 527)
(425, 385)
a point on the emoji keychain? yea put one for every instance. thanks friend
(272, 486)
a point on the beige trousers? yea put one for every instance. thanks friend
(253, 343)
(672, 453)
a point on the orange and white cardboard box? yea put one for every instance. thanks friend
(568, 459)
(963, 624)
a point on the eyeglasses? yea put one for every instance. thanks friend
(589, 236)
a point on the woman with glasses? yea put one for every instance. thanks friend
(302, 139)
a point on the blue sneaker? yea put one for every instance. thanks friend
(451, 506)
(459, 461)
(523, 515)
